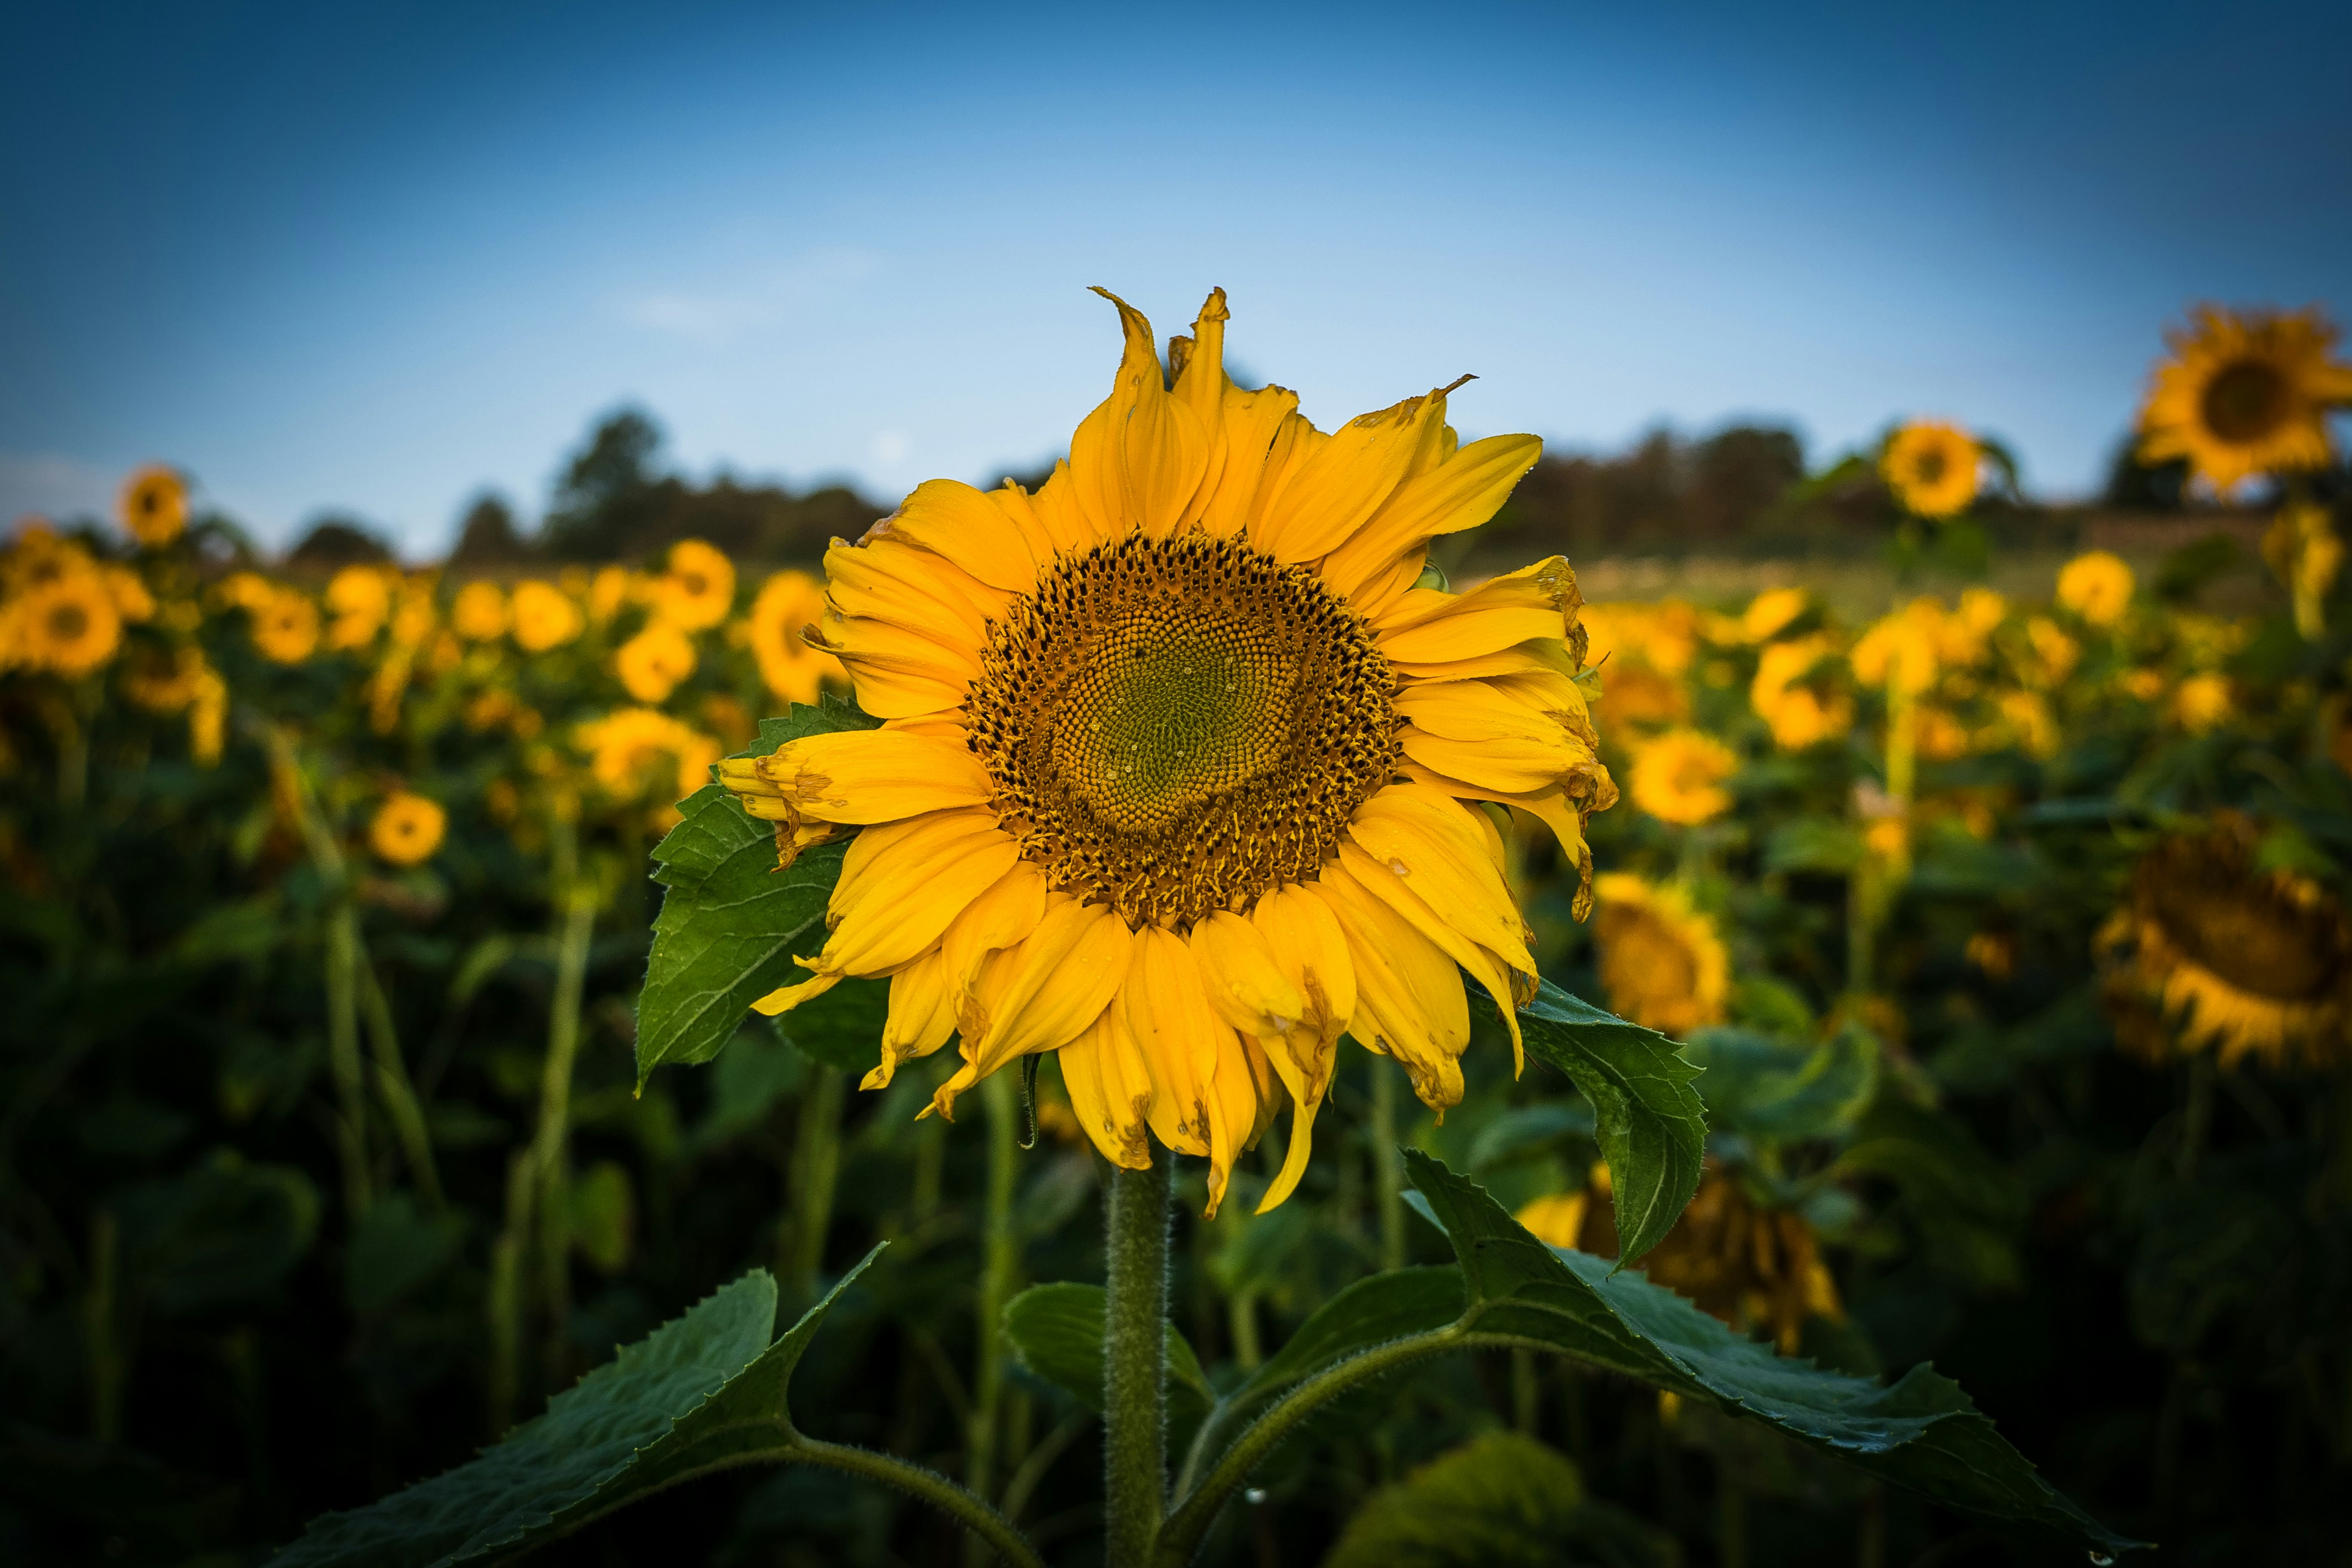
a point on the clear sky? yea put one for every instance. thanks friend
(374, 258)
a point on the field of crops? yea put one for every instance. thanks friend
(2007, 930)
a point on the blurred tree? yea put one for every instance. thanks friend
(334, 542)
(489, 537)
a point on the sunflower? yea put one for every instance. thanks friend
(479, 614)
(789, 604)
(407, 828)
(38, 556)
(1678, 777)
(2203, 702)
(1798, 714)
(2241, 961)
(698, 590)
(1662, 963)
(638, 752)
(544, 617)
(1753, 1267)
(69, 624)
(1177, 756)
(2096, 586)
(132, 601)
(652, 662)
(2245, 393)
(1773, 612)
(286, 625)
(1932, 467)
(359, 598)
(2052, 653)
(2301, 545)
(1902, 649)
(154, 506)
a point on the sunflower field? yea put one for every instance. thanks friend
(1849, 1087)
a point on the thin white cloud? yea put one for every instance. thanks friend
(715, 319)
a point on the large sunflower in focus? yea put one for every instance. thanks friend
(2245, 961)
(2245, 394)
(1180, 765)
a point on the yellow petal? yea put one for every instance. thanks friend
(892, 580)
(1427, 624)
(1460, 493)
(1311, 950)
(1510, 762)
(1110, 1093)
(1060, 978)
(950, 518)
(922, 1017)
(903, 882)
(1329, 492)
(874, 776)
(784, 998)
(1003, 915)
(1137, 459)
(1410, 1003)
(1240, 1089)
(1243, 982)
(897, 673)
(1167, 1011)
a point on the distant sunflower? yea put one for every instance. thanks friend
(545, 617)
(1678, 777)
(69, 624)
(2096, 586)
(407, 828)
(2242, 961)
(636, 753)
(1177, 759)
(1932, 467)
(2245, 393)
(360, 600)
(698, 590)
(652, 662)
(789, 604)
(286, 625)
(2203, 702)
(1773, 612)
(1662, 964)
(1753, 1267)
(1797, 713)
(479, 614)
(154, 506)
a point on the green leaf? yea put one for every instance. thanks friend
(1775, 1089)
(224, 1231)
(703, 1388)
(1058, 1331)
(1652, 1124)
(1500, 1500)
(1922, 1432)
(730, 920)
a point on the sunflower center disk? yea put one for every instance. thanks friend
(2246, 402)
(2256, 942)
(1175, 726)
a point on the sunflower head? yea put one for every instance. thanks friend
(545, 617)
(643, 754)
(1932, 467)
(2203, 702)
(2096, 586)
(1751, 1266)
(790, 604)
(69, 624)
(652, 662)
(154, 506)
(2245, 393)
(285, 624)
(1178, 771)
(1678, 777)
(699, 588)
(1773, 612)
(479, 613)
(2239, 959)
(1787, 696)
(1662, 963)
(407, 828)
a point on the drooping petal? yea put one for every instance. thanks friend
(1110, 1091)
(1137, 459)
(922, 1017)
(1241, 1092)
(1051, 986)
(903, 882)
(1245, 982)
(1168, 1013)
(1503, 967)
(1003, 914)
(1410, 1003)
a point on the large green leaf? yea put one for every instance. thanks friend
(1500, 1500)
(1922, 1432)
(730, 920)
(701, 1389)
(1771, 1087)
(1058, 1331)
(1651, 1123)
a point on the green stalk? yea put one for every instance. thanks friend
(1388, 1170)
(1135, 1361)
(399, 1093)
(815, 1172)
(551, 1149)
(1002, 1262)
(505, 1303)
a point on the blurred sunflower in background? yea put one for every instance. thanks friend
(154, 506)
(479, 613)
(544, 617)
(699, 588)
(1662, 963)
(359, 601)
(2238, 960)
(1932, 467)
(2245, 393)
(69, 625)
(2203, 702)
(285, 624)
(1783, 694)
(407, 828)
(652, 662)
(1773, 612)
(639, 754)
(1753, 1267)
(1176, 775)
(789, 604)
(2096, 586)
(1678, 777)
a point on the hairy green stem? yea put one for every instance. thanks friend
(1388, 1170)
(928, 1486)
(551, 1149)
(1135, 1360)
(1001, 1254)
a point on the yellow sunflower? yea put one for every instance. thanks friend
(608, 592)
(407, 828)
(544, 617)
(1799, 714)
(2241, 961)
(360, 599)
(154, 506)
(789, 604)
(2203, 702)
(698, 590)
(1177, 769)
(1771, 612)
(652, 662)
(479, 613)
(2096, 586)
(286, 625)
(1662, 963)
(640, 753)
(1932, 467)
(69, 625)
(2245, 393)
(1678, 777)
(129, 591)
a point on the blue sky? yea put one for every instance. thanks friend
(373, 259)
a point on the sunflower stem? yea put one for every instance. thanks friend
(1388, 1170)
(1002, 1262)
(551, 1146)
(1135, 1360)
